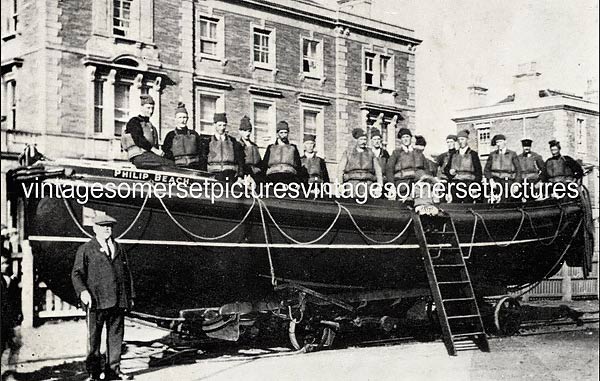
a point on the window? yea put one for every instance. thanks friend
(312, 125)
(121, 17)
(121, 107)
(208, 107)
(11, 90)
(379, 70)
(581, 135)
(483, 141)
(312, 58)
(10, 17)
(263, 123)
(369, 72)
(98, 105)
(208, 37)
(263, 48)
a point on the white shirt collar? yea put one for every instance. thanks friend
(377, 151)
(104, 247)
(220, 137)
(462, 151)
(405, 148)
(309, 155)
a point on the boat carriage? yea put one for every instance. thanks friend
(214, 262)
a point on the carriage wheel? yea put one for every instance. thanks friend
(309, 337)
(507, 316)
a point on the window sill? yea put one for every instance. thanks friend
(257, 65)
(9, 36)
(210, 57)
(380, 89)
(320, 78)
(130, 41)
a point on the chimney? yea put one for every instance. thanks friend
(356, 7)
(591, 94)
(526, 83)
(477, 94)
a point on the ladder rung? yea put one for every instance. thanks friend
(451, 265)
(438, 232)
(457, 299)
(463, 317)
(469, 334)
(455, 282)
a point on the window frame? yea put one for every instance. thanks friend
(219, 107)
(127, 31)
(264, 143)
(581, 135)
(129, 84)
(218, 40)
(98, 106)
(318, 73)
(485, 141)
(11, 101)
(320, 126)
(271, 63)
(376, 72)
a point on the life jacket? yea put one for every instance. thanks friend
(252, 155)
(445, 157)
(529, 168)
(129, 146)
(409, 164)
(558, 171)
(359, 166)
(221, 156)
(463, 165)
(185, 149)
(281, 159)
(313, 167)
(502, 165)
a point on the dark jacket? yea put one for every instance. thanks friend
(11, 304)
(109, 282)
(569, 162)
(474, 159)
(134, 127)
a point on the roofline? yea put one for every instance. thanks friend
(524, 111)
(335, 18)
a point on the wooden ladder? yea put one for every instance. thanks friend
(450, 284)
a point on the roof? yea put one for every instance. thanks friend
(543, 94)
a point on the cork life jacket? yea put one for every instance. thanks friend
(408, 164)
(281, 159)
(359, 166)
(502, 165)
(252, 153)
(221, 156)
(529, 168)
(463, 165)
(129, 146)
(313, 168)
(558, 171)
(185, 149)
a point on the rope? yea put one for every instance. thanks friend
(154, 317)
(528, 288)
(339, 212)
(472, 236)
(490, 235)
(70, 210)
(562, 212)
(136, 217)
(208, 238)
(369, 238)
(264, 225)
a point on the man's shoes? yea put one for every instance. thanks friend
(117, 376)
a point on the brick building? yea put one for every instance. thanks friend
(541, 114)
(72, 72)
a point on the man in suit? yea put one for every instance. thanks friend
(102, 280)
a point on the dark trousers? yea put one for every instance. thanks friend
(113, 318)
(150, 160)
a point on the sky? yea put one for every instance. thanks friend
(468, 39)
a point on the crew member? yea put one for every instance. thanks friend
(559, 168)
(420, 144)
(102, 280)
(251, 154)
(359, 165)
(140, 139)
(380, 153)
(532, 164)
(316, 170)
(443, 159)
(405, 165)
(223, 154)
(502, 166)
(281, 162)
(182, 145)
(463, 167)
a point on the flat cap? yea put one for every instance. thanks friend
(496, 138)
(526, 142)
(452, 137)
(463, 134)
(104, 220)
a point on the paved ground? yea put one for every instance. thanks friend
(55, 351)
